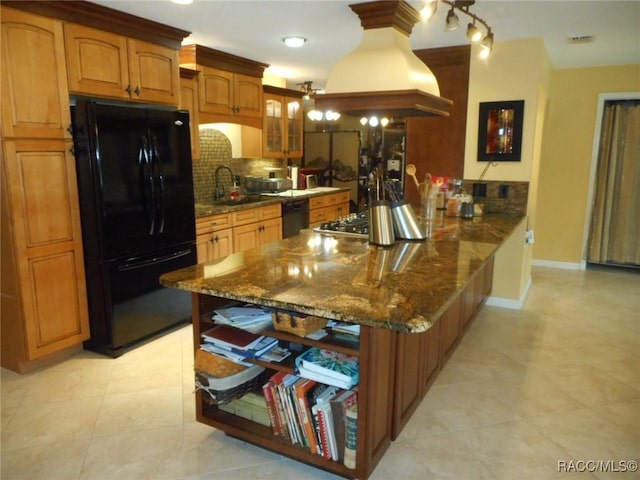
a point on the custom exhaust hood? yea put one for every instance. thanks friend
(383, 76)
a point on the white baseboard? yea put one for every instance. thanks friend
(509, 303)
(562, 265)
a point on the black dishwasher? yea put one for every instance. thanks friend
(295, 217)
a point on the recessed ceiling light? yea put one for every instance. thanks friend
(294, 41)
(182, 2)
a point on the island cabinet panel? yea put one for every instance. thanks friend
(376, 352)
(417, 364)
(450, 328)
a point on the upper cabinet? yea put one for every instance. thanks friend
(35, 99)
(229, 87)
(229, 94)
(105, 64)
(189, 102)
(283, 123)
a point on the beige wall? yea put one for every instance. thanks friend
(567, 151)
(516, 70)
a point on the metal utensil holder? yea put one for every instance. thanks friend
(380, 223)
(405, 223)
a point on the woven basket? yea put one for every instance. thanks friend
(297, 323)
(222, 390)
(216, 365)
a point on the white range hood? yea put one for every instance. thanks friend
(383, 75)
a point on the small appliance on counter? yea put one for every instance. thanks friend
(267, 185)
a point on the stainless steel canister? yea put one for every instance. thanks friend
(380, 223)
(405, 223)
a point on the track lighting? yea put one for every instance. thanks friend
(452, 21)
(473, 32)
(429, 9)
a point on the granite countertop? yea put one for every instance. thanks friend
(404, 287)
(207, 209)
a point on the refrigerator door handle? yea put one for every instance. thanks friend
(146, 176)
(133, 264)
(159, 173)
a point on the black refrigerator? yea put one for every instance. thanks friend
(135, 185)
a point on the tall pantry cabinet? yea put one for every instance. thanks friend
(44, 306)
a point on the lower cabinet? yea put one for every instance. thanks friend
(256, 227)
(44, 300)
(421, 356)
(324, 208)
(375, 351)
(214, 237)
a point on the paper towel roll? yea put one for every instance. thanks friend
(294, 177)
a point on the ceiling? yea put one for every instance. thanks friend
(254, 29)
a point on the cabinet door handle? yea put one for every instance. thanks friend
(137, 91)
(216, 239)
(214, 223)
(128, 90)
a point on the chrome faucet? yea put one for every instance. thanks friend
(219, 190)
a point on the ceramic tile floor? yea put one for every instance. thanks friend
(558, 381)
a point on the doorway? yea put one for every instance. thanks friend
(614, 226)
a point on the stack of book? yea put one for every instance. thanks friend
(328, 366)
(236, 344)
(312, 415)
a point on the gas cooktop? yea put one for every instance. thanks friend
(353, 225)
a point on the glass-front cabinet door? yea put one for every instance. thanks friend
(273, 127)
(283, 123)
(294, 127)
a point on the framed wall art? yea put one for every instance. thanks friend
(500, 131)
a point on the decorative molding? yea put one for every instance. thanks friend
(104, 18)
(194, 55)
(560, 265)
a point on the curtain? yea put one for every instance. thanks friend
(615, 222)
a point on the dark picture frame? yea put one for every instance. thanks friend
(500, 131)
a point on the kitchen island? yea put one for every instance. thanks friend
(413, 301)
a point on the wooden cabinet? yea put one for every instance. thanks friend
(421, 356)
(44, 304)
(189, 102)
(214, 237)
(106, 64)
(229, 87)
(282, 132)
(324, 208)
(256, 227)
(229, 94)
(35, 98)
(375, 351)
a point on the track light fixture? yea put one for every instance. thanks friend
(307, 89)
(473, 32)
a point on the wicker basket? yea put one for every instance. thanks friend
(215, 365)
(222, 390)
(297, 323)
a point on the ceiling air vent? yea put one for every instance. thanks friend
(580, 39)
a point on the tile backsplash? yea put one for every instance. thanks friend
(215, 150)
(499, 196)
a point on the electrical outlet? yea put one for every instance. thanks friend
(479, 190)
(528, 237)
(503, 192)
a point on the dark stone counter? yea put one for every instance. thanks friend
(404, 287)
(207, 209)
